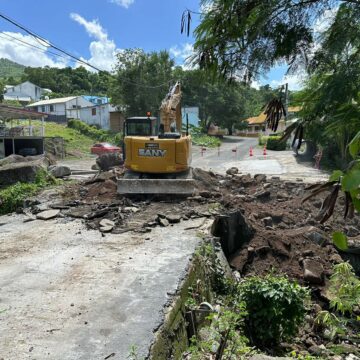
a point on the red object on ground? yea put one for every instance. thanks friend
(104, 148)
(251, 151)
(264, 151)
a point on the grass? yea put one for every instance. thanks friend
(12, 197)
(75, 142)
(205, 140)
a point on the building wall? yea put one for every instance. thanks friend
(35, 92)
(94, 115)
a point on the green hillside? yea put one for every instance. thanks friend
(10, 68)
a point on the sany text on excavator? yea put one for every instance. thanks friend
(158, 155)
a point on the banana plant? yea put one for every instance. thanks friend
(347, 181)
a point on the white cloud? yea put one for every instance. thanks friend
(295, 81)
(182, 54)
(324, 22)
(255, 84)
(103, 50)
(123, 3)
(13, 47)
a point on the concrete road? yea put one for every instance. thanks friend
(235, 151)
(69, 293)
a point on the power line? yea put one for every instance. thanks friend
(33, 34)
(38, 37)
(43, 50)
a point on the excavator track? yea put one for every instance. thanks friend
(162, 184)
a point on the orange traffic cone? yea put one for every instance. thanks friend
(264, 151)
(251, 151)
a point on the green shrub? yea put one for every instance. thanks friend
(13, 196)
(274, 143)
(275, 306)
(263, 139)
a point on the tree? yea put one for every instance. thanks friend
(142, 80)
(2, 90)
(332, 96)
(220, 102)
(247, 37)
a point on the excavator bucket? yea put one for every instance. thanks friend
(134, 183)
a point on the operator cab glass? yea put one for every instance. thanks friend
(139, 127)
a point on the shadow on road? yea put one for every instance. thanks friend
(233, 139)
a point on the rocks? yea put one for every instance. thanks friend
(352, 231)
(282, 196)
(267, 221)
(260, 178)
(173, 218)
(316, 236)
(265, 357)
(106, 225)
(163, 222)
(131, 209)
(48, 214)
(59, 171)
(246, 180)
(107, 161)
(313, 271)
(21, 171)
(263, 195)
(232, 171)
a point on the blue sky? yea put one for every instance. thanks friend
(95, 29)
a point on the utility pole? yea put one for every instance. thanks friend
(286, 101)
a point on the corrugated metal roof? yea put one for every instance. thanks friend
(256, 119)
(11, 112)
(53, 101)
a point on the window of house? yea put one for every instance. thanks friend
(43, 108)
(93, 111)
(51, 108)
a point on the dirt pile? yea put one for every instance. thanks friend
(281, 233)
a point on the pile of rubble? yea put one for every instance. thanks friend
(262, 224)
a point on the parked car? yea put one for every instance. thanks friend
(104, 148)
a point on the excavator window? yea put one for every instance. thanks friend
(138, 127)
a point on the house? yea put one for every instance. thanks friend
(61, 109)
(257, 124)
(24, 92)
(105, 116)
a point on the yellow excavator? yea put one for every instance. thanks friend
(157, 154)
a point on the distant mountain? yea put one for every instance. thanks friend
(10, 68)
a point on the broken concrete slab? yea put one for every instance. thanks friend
(59, 171)
(173, 218)
(106, 278)
(20, 172)
(106, 222)
(313, 271)
(48, 214)
(232, 171)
